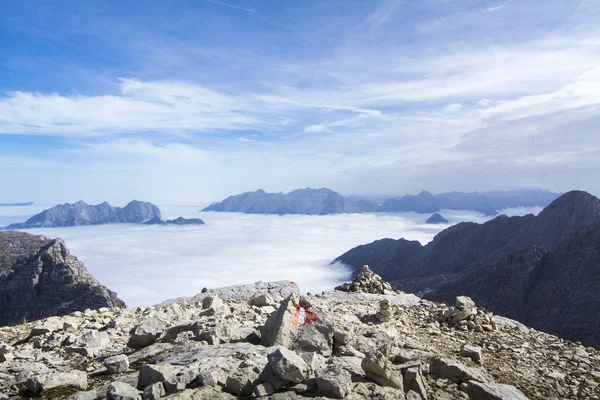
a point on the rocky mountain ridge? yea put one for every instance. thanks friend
(253, 342)
(40, 278)
(542, 261)
(80, 213)
(325, 201)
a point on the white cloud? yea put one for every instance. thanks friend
(149, 264)
(319, 128)
(453, 107)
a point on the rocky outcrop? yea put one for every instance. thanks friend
(538, 270)
(81, 213)
(436, 219)
(40, 278)
(301, 201)
(366, 282)
(357, 357)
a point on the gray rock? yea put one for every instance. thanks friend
(149, 331)
(164, 373)
(413, 381)
(455, 371)
(89, 344)
(116, 364)
(334, 382)
(464, 302)
(378, 369)
(263, 390)
(494, 391)
(89, 395)
(154, 391)
(122, 391)
(314, 337)
(280, 329)
(52, 380)
(40, 278)
(288, 365)
(263, 300)
(472, 352)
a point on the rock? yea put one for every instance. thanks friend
(288, 365)
(455, 371)
(494, 391)
(45, 280)
(122, 391)
(334, 382)
(464, 303)
(154, 391)
(116, 364)
(366, 282)
(384, 314)
(314, 337)
(413, 381)
(89, 344)
(89, 395)
(164, 373)
(472, 352)
(378, 369)
(6, 352)
(148, 331)
(280, 329)
(52, 380)
(263, 390)
(263, 300)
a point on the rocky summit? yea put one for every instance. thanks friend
(40, 278)
(268, 341)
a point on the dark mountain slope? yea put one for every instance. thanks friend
(40, 278)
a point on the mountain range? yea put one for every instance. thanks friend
(325, 201)
(541, 270)
(29, 203)
(80, 213)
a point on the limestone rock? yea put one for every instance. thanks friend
(334, 382)
(90, 343)
(455, 371)
(378, 369)
(280, 329)
(116, 364)
(52, 380)
(122, 391)
(288, 365)
(366, 282)
(494, 391)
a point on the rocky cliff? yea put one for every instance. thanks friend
(528, 268)
(40, 278)
(301, 201)
(267, 341)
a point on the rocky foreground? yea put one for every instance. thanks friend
(265, 340)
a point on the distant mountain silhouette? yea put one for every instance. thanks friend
(517, 266)
(80, 213)
(436, 219)
(326, 201)
(301, 201)
(29, 203)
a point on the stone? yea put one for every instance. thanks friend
(6, 352)
(89, 395)
(148, 331)
(89, 344)
(116, 364)
(314, 337)
(263, 390)
(413, 381)
(288, 365)
(378, 369)
(455, 371)
(122, 391)
(464, 302)
(334, 382)
(164, 373)
(366, 282)
(52, 380)
(494, 391)
(212, 301)
(280, 329)
(154, 391)
(263, 300)
(472, 352)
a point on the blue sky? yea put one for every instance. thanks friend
(185, 102)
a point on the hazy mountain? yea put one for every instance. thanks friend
(29, 203)
(490, 261)
(301, 201)
(176, 221)
(325, 201)
(40, 278)
(81, 213)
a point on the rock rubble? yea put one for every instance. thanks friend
(366, 282)
(254, 345)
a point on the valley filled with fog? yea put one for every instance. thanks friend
(148, 264)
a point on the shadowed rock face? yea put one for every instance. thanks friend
(40, 278)
(541, 270)
(301, 201)
(81, 213)
(436, 219)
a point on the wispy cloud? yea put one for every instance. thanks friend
(232, 6)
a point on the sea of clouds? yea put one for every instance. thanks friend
(148, 264)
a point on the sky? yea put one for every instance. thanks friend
(187, 102)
